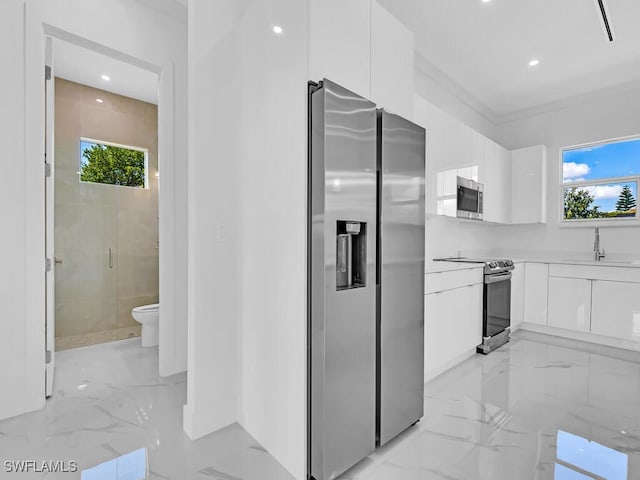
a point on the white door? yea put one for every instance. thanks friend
(49, 228)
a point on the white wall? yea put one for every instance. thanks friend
(21, 210)
(273, 172)
(247, 227)
(214, 196)
(599, 119)
(156, 40)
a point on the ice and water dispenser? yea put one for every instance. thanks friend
(351, 254)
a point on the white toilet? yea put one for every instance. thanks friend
(149, 317)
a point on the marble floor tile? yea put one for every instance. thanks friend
(538, 408)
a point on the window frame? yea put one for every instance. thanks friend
(119, 145)
(597, 222)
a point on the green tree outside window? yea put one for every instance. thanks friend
(112, 165)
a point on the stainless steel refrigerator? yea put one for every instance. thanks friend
(366, 278)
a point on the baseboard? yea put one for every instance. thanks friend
(581, 336)
(197, 424)
(431, 374)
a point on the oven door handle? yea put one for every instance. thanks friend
(489, 279)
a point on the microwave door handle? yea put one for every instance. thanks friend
(489, 279)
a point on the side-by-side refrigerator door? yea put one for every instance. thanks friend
(342, 276)
(401, 163)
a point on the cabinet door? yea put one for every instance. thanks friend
(491, 182)
(616, 310)
(528, 183)
(453, 324)
(536, 278)
(442, 134)
(497, 183)
(517, 294)
(435, 332)
(469, 317)
(570, 303)
(467, 166)
(504, 179)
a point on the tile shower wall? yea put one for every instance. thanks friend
(93, 299)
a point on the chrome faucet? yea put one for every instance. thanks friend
(596, 246)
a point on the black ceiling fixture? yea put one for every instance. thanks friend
(605, 19)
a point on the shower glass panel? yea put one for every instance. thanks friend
(105, 234)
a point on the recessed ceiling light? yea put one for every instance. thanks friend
(277, 29)
(99, 100)
(106, 78)
(534, 62)
(486, 1)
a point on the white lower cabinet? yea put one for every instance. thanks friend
(616, 310)
(453, 326)
(569, 303)
(536, 282)
(517, 295)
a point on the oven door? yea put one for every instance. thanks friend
(497, 304)
(469, 202)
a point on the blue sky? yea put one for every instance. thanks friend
(621, 159)
(83, 146)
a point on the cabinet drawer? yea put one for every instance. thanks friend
(441, 281)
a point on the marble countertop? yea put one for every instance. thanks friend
(591, 263)
(431, 266)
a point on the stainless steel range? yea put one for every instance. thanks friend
(496, 303)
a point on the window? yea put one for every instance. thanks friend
(102, 162)
(600, 181)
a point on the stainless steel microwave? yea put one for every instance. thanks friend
(469, 199)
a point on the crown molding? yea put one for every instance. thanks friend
(428, 69)
(425, 67)
(572, 101)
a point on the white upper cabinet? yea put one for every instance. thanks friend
(497, 183)
(468, 162)
(442, 162)
(529, 185)
(391, 62)
(340, 43)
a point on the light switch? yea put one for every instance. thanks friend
(221, 230)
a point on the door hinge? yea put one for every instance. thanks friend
(47, 170)
(47, 72)
(48, 356)
(47, 264)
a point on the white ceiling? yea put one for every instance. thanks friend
(86, 67)
(485, 49)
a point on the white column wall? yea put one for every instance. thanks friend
(214, 196)
(21, 211)
(247, 269)
(273, 179)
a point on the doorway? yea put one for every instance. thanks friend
(102, 197)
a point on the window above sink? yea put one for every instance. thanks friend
(600, 182)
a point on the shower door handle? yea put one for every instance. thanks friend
(110, 258)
